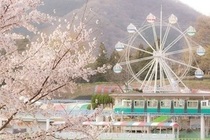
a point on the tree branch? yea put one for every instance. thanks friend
(8, 121)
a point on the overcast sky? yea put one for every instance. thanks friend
(203, 6)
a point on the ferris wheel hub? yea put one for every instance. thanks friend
(158, 54)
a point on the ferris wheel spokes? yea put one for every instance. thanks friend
(149, 86)
(135, 76)
(176, 52)
(169, 77)
(155, 37)
(178, 62)
(177, 77)
(145, 40)
(162, 79)
(139, 49)
(165, 36)
(175, 41)
(136, 60)
(156, 74)
(146, 77)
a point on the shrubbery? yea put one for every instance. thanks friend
(99, 99)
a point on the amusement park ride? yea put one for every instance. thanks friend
(158, 56)
(159, 71)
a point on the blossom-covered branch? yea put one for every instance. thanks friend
(46, 67)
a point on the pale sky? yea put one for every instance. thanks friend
(202, 6)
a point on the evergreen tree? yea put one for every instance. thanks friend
(114, 58)
(101, 60)
(111, 76)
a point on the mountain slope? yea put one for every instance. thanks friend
(111, 17)
(62, 7)
(115, 15)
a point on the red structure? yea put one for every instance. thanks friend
(106, 89)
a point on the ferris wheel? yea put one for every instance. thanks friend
(158, 55)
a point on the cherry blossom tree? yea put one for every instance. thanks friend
(48, 65)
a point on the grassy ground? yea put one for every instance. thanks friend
(85, 89)
(161, 119)
(198, 84)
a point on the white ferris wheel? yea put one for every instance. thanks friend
(158, 55)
